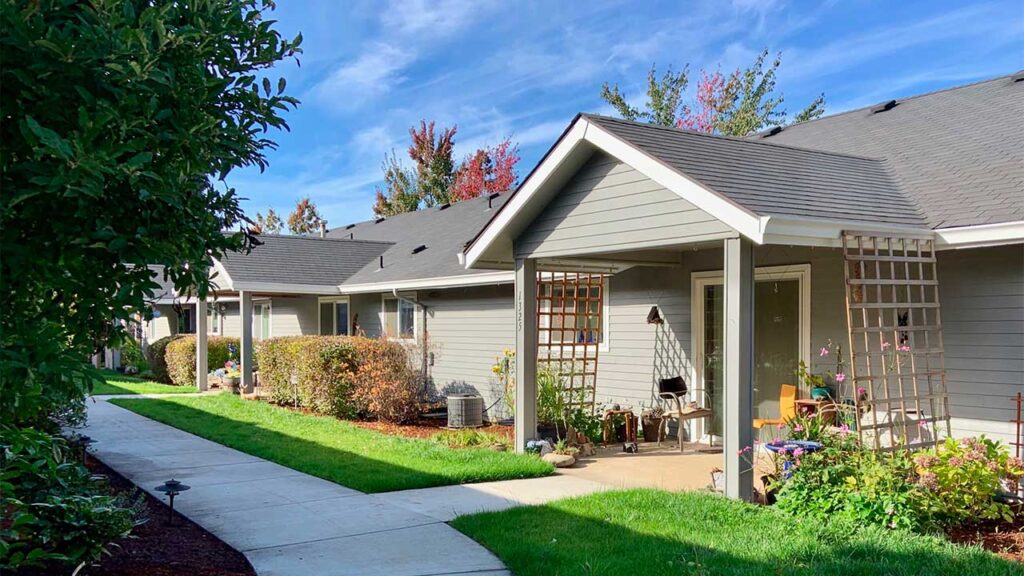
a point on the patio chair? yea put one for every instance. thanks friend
(787, 409)
(675, 391)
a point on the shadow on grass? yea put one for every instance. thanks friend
(647, 532)
(331, 449)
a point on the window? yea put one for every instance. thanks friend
(334, 317)
(213, 318)
(186, 321)
(585, 317)
(399, 317)
(262, 330)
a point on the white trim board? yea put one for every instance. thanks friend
(481, 279)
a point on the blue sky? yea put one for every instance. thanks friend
(370, 70)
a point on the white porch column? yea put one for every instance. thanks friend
(246, 345)
(202, 366)
(739, 365)
(526, 351)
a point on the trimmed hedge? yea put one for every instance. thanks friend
(155, 355)
(342, 376)
(180, 356)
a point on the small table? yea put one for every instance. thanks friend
(608, 428)
(811, 407)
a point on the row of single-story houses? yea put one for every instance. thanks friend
(738, 244)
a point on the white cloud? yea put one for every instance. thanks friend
(431, 17)
(372, 74)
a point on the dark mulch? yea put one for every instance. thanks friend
(156, 549)
(1005, 539)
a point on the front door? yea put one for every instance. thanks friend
(781, 339)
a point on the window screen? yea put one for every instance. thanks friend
(326, 318)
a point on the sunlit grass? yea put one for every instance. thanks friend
(115, 383)
(651, 532)
(333, 449)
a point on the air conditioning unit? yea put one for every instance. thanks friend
(465, 411)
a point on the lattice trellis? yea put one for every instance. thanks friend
(896, 350)
(570, 330)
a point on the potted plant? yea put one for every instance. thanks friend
(651, 419)
(232, 376)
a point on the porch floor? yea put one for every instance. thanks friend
(661, 467)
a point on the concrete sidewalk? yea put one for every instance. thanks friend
(289, 523)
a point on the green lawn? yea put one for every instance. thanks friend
(650, 532)
(115, 383)
(333, 449)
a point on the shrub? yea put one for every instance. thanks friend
(339, 375)
(180, 356)
(54, 512)
(960, 480)
(132, 358)
(155, 354)
(468, 438)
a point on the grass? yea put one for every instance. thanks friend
(651, 532)
(116, 383)
(333, 449)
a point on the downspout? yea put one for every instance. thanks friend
(424, 346)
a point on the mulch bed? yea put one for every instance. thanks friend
(1004, 539)
(156, 549)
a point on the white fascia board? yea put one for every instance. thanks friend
(525, 193)
(982, 235)
(827, 233)
(282, 288)
(221, 276)
(731, 214)
(483, 279)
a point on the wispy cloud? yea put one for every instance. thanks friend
(432, 17)
(372, 74)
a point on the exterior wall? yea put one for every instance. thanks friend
(609, 206)
(165, 325)
(292, 316)
(368, 307)
(982, 295)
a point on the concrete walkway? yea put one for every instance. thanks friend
(289, 523)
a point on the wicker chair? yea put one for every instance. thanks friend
(675, 391)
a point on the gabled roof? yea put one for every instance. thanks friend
(769, 179)
(959, 152)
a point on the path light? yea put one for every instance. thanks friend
(85, 441)
(171, 488)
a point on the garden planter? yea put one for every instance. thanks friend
(651, 426)
(232, 383)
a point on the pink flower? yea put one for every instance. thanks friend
(903, 348)
(885, 345)
(824, 352)
(929, 481)
(798, 428)
(840, 377)
(798, 452)
(844, 429)
(954, 461)
(922, 424)
(861, 391)
(780, 426)
(775, 440)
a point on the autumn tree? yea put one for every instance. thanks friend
(486, 171)
(432, 154)
(399, 193)
(269, 224)
(305, 219)
(664, 98)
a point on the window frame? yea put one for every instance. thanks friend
(257, 319)
(384, 297)
(333, 301)
(544, 336)
(214, 320)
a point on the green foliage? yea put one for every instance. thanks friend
(156, 355)
(551, 395)
(121, 121)
(400, 192)
(808, 427)
(269, 224)
(586, 424)
(132, 358)
(180, 356)
(664, 98)
(961, 478)
(341, 376)
(305, 219)
(469, 438)
(54, 512)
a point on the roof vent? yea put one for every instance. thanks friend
(775, 130)
(350, 226)
(445, 206)
(379, 220)
(884, 107)
(490, 199)
(419, 249)
(1018, 77)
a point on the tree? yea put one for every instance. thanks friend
(121, 121)
(434, 166)
(305, 219)
(664, 98)
(400, 192)
(269, 224)
(488, 170)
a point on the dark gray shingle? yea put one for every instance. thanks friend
(302, 260)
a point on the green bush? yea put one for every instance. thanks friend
(339, 375)
(961, 478)
(132, 359)
(53, 511)
(155, 354)
(180, 356)
(469, 438)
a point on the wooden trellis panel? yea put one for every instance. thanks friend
(895, 328)
(570, 331)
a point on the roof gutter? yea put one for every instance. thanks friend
(979, 236)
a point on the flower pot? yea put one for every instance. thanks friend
(232, 383)
(651, 428)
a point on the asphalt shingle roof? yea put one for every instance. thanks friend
(776, 180)
(443, 232)
(302, 260)
(959, 153)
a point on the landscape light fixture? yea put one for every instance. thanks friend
(171, 488)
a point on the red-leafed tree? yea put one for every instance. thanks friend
(434, 165)
(486, 171)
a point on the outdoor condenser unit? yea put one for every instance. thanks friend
(465, 411)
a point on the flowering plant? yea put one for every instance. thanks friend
(504, 368)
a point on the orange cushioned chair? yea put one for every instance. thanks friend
(787, 408)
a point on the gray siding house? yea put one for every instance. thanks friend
(737, 243)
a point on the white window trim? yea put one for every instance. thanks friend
(700, 280)
(415, 318)
(257, 319)
(334, 313)
(604, 346)
(215, 319)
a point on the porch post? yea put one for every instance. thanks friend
(202, 366)
(738, 366)
(526, 351)
(245, 306)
